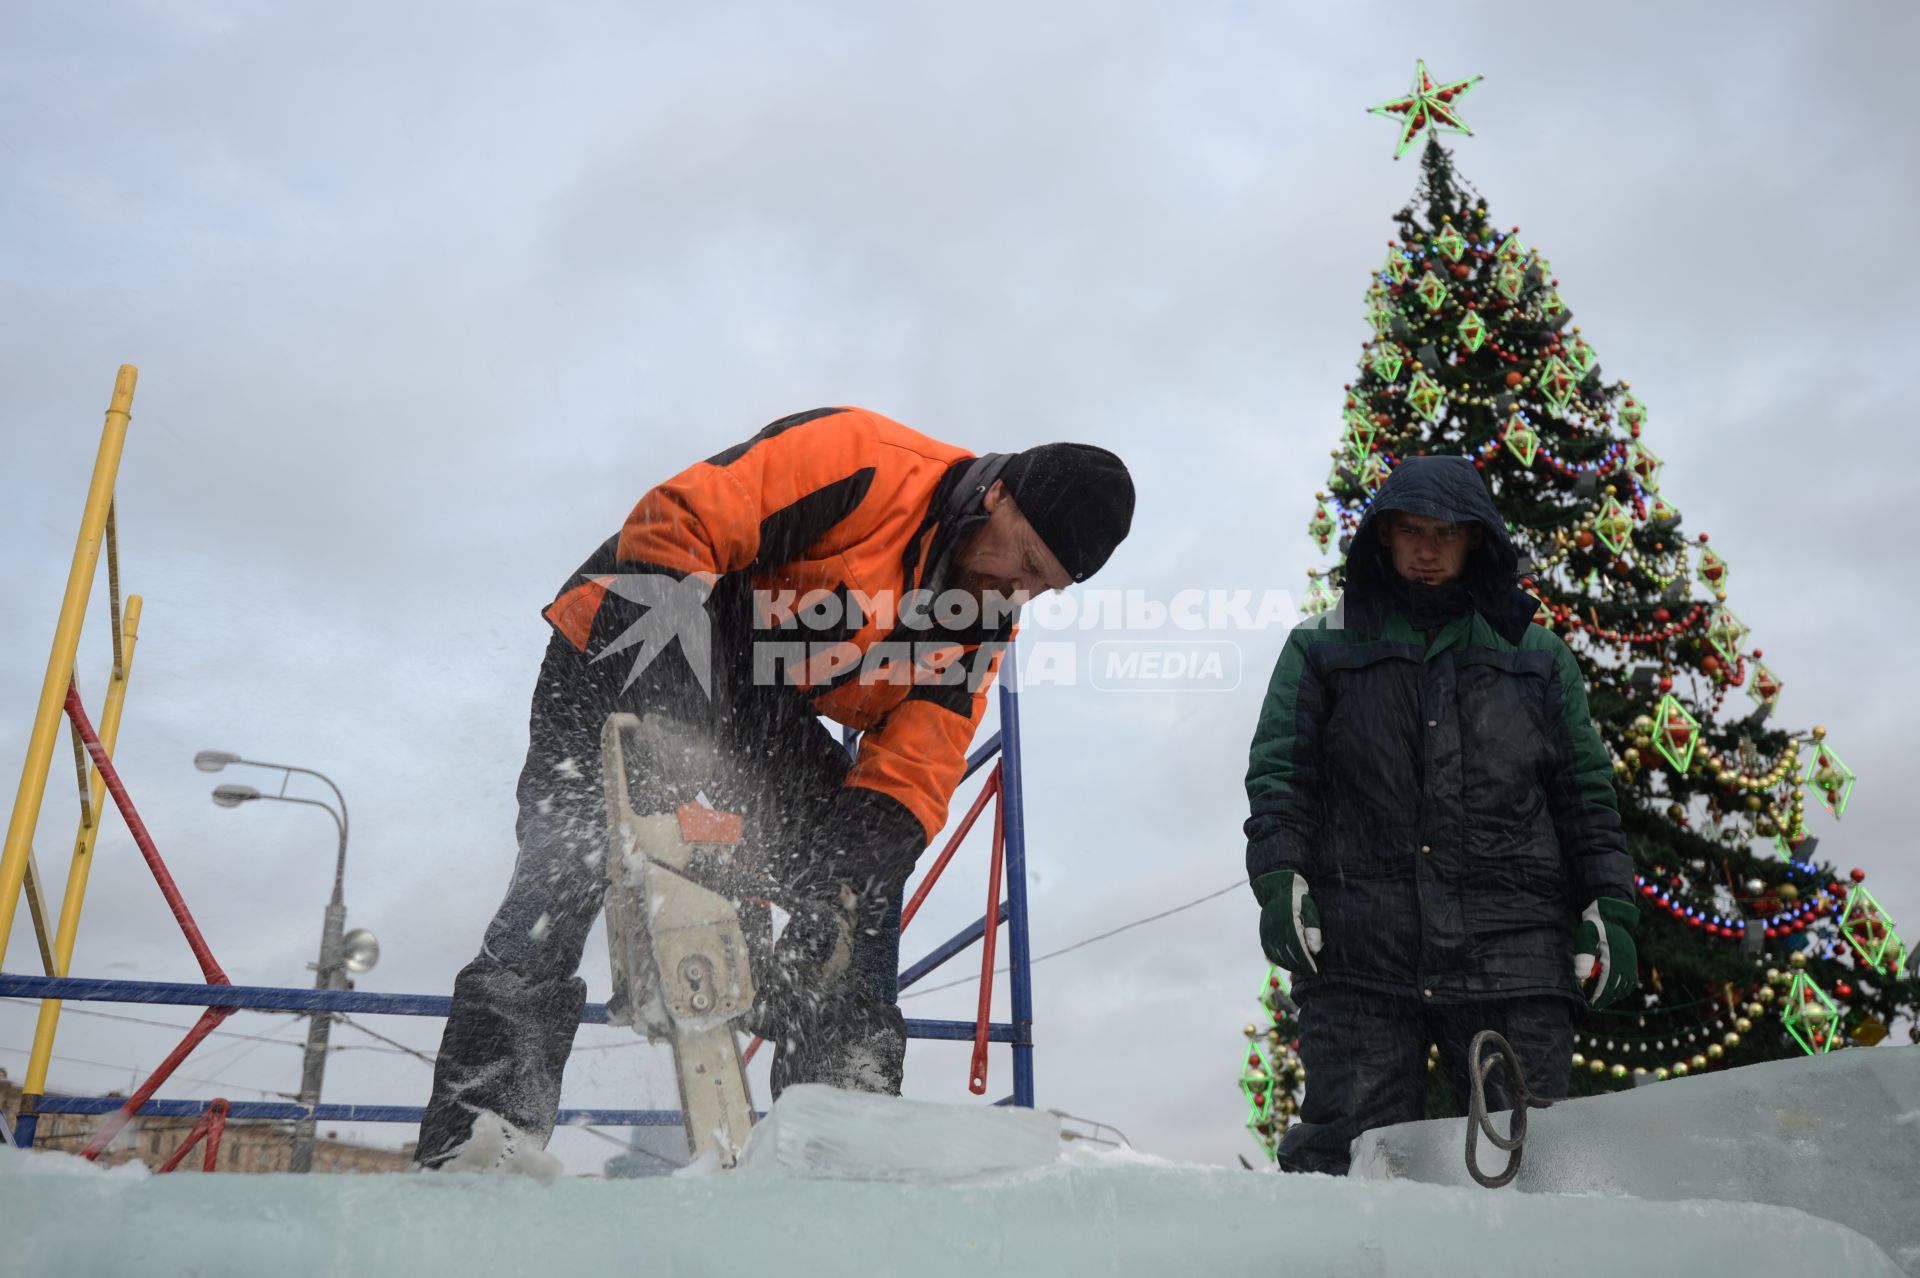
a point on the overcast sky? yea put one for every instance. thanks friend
(424, 297)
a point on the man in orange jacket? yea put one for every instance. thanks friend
(837, 564)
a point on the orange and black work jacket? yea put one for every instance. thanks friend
(815, 533)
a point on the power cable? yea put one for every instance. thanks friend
(1236, 885)
(131, 1070)
(350, 1023)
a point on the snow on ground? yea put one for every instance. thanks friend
(843, 1185)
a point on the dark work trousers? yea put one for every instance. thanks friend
(1366, 1060)
(516, 1006)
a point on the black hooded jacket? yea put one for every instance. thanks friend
(1447, 799)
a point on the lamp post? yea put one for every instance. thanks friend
(335, 955)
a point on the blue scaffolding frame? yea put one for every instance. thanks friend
(1012, 912)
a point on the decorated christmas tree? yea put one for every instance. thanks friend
(1752, 947)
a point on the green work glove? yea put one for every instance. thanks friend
(1289, 921)
(1605, 957)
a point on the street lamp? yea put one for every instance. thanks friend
(339, 953)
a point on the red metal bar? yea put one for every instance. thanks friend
(208, 966)
(216, 1127)
(211, 1124)
(118, 1119)
(987, 791)
(977, 1073)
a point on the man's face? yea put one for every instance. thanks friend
(1431, 551)
(1006, 555)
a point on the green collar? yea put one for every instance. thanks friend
(1469, 627)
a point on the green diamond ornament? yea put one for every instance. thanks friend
(1764, 687)
(1509, 280)
(1473, 330)
(1428, 108)
(1712, 569)
(1430, 290)
(1511, 250)
(1359, 441)
(1397, 269)
(1581, 353)
(1450, 243)
(1810, 1016)
(1356, 414)
(1726, 633)
(1870, 932)
(1829, 775)
(1643, 461)
(1613, 525)
(1552, 309)
(1675, 733)
(1425, 395)
(1372, 472)
(1385, 361)
(1380, 316)
(1274, 988)
(1557, 383)
(1520, 439)
(1659, 512)
(1633, 413)
(1321, 528)
(1320, 597)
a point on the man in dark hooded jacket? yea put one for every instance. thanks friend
(1434, 842)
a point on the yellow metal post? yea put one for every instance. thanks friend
(66, 642)
(70, 904)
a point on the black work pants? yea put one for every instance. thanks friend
(1366, 1060)
(516, 1006)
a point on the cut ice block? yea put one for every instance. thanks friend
(824, 1133)
(1837, 1136)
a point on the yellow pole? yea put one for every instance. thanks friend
(82, 859)
(66, 642)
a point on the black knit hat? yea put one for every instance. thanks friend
(1077, 497)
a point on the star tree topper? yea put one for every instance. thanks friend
(1427, 106)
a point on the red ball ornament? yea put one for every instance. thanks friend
(1843, 989)
(1709, 663)
(1858, 876)
(1703, 539)
(1583, 539)
(1660, 615)
(1514, 379)
(1666, 684)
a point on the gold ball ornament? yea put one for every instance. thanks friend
(1798, 958)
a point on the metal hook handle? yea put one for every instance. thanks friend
(1477, 1120)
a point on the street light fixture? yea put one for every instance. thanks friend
(232, 796)
(339, 953)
